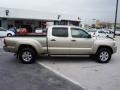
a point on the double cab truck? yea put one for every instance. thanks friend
(60, 40)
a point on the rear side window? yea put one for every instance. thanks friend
(2, 29)
(60, 32)
(101, 32)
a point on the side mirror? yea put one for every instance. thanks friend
(89, 36)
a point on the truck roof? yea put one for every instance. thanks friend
(65, 26)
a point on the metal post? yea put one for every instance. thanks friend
(115, 17)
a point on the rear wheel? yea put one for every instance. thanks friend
(27, 55)
(103, 55)
(92, 56)
(9, 34)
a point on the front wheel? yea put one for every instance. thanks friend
(27, 55)
(103, 55)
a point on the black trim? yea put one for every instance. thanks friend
(29, 36)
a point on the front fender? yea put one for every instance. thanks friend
(103, 43)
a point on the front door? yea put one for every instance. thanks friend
(80, 43)
(59, 41)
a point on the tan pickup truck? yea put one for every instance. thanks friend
(60, 40)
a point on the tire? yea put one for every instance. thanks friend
(92, 57)
(27, 55)
(9, 34)
(101, 57)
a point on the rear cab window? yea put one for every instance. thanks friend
(60, 31)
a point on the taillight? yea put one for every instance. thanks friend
(4, 42)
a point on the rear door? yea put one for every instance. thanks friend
(80, 43)
(58, 42)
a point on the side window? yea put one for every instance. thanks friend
(78, 33)
(111, 32)
(2, 29)
(101, 32)
(60, 32)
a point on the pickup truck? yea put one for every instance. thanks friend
(60, 40)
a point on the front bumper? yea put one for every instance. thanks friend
(114, 49)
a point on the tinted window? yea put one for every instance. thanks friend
(101, 32)
(60, 32)
(79, 33)
(45, 30)
(92, 31)
(2, 29)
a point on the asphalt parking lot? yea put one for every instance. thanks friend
(78, 70)
(86, 72)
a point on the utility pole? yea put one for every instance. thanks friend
(115, 17)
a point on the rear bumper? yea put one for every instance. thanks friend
(8, 49)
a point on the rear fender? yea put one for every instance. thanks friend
(35, 44)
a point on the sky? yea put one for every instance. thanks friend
(87, 10)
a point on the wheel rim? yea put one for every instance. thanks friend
(27, 56)
(104, 56)
(9, 35)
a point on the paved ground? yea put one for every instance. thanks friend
(17, 76)
(83, 71)
(86, 72)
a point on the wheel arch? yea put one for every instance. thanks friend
(27, 46)
(104, 46)
(9, 34)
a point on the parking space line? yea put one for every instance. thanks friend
(63, 76)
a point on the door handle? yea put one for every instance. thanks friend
(53, 40)
(73, 40)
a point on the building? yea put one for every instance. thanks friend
(29, 19)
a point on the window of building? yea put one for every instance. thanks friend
(0, 23)
(10, 26)
(42, 24)
(63, 22)
(74, 23)
(60, 32)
